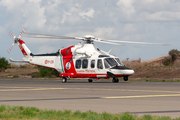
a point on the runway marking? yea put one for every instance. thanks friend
(33, 88)
(126, 90)
(86, 98)
(141, 96)
(14, 87)
(111, 97)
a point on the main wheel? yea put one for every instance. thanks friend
(64, 80)
(115, 80)
(90, 80)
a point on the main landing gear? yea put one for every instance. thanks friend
(90, 80)
(64, 79)
(115, 80)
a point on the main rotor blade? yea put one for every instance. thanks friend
(53, 37)
(47, 37)
(65, 37)
(137, 42)
(109, 42)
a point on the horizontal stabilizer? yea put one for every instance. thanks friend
(18, 61)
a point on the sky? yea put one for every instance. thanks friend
(154, 21)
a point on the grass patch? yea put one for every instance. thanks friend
(45, 73)
(8, 112)
(15, 76)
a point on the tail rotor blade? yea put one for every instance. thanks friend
(10, 48)
(22, 32)
(12, 34)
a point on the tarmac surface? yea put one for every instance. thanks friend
(153, 98)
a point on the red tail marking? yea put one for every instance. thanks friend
(21, 42)
(21, 47)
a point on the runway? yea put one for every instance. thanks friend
(154, 98)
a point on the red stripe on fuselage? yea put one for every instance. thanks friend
(86, 75)
(68, 61)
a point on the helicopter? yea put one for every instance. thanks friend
(83, 60)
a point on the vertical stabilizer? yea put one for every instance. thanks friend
(24, 49)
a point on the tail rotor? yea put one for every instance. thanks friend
(15, 38)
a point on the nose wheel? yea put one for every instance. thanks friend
(115, 80)
(125, 78)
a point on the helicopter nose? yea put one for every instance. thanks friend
(123, 70)
(128, 72)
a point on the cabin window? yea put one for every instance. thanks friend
(92, 63)
(78, 64)
(99, 64)
(85, 63)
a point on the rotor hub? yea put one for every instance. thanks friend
(89, 38)
(16, 40)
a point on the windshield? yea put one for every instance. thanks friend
(117, 59)
(110, 61)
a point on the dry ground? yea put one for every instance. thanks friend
(146, 71)
(22, 71)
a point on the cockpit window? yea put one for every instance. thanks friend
(106, 64)
(117, 59)
(111, 61)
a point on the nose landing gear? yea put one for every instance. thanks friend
(90, 80)
(125, 78)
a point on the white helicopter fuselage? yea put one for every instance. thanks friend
(79, 61)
